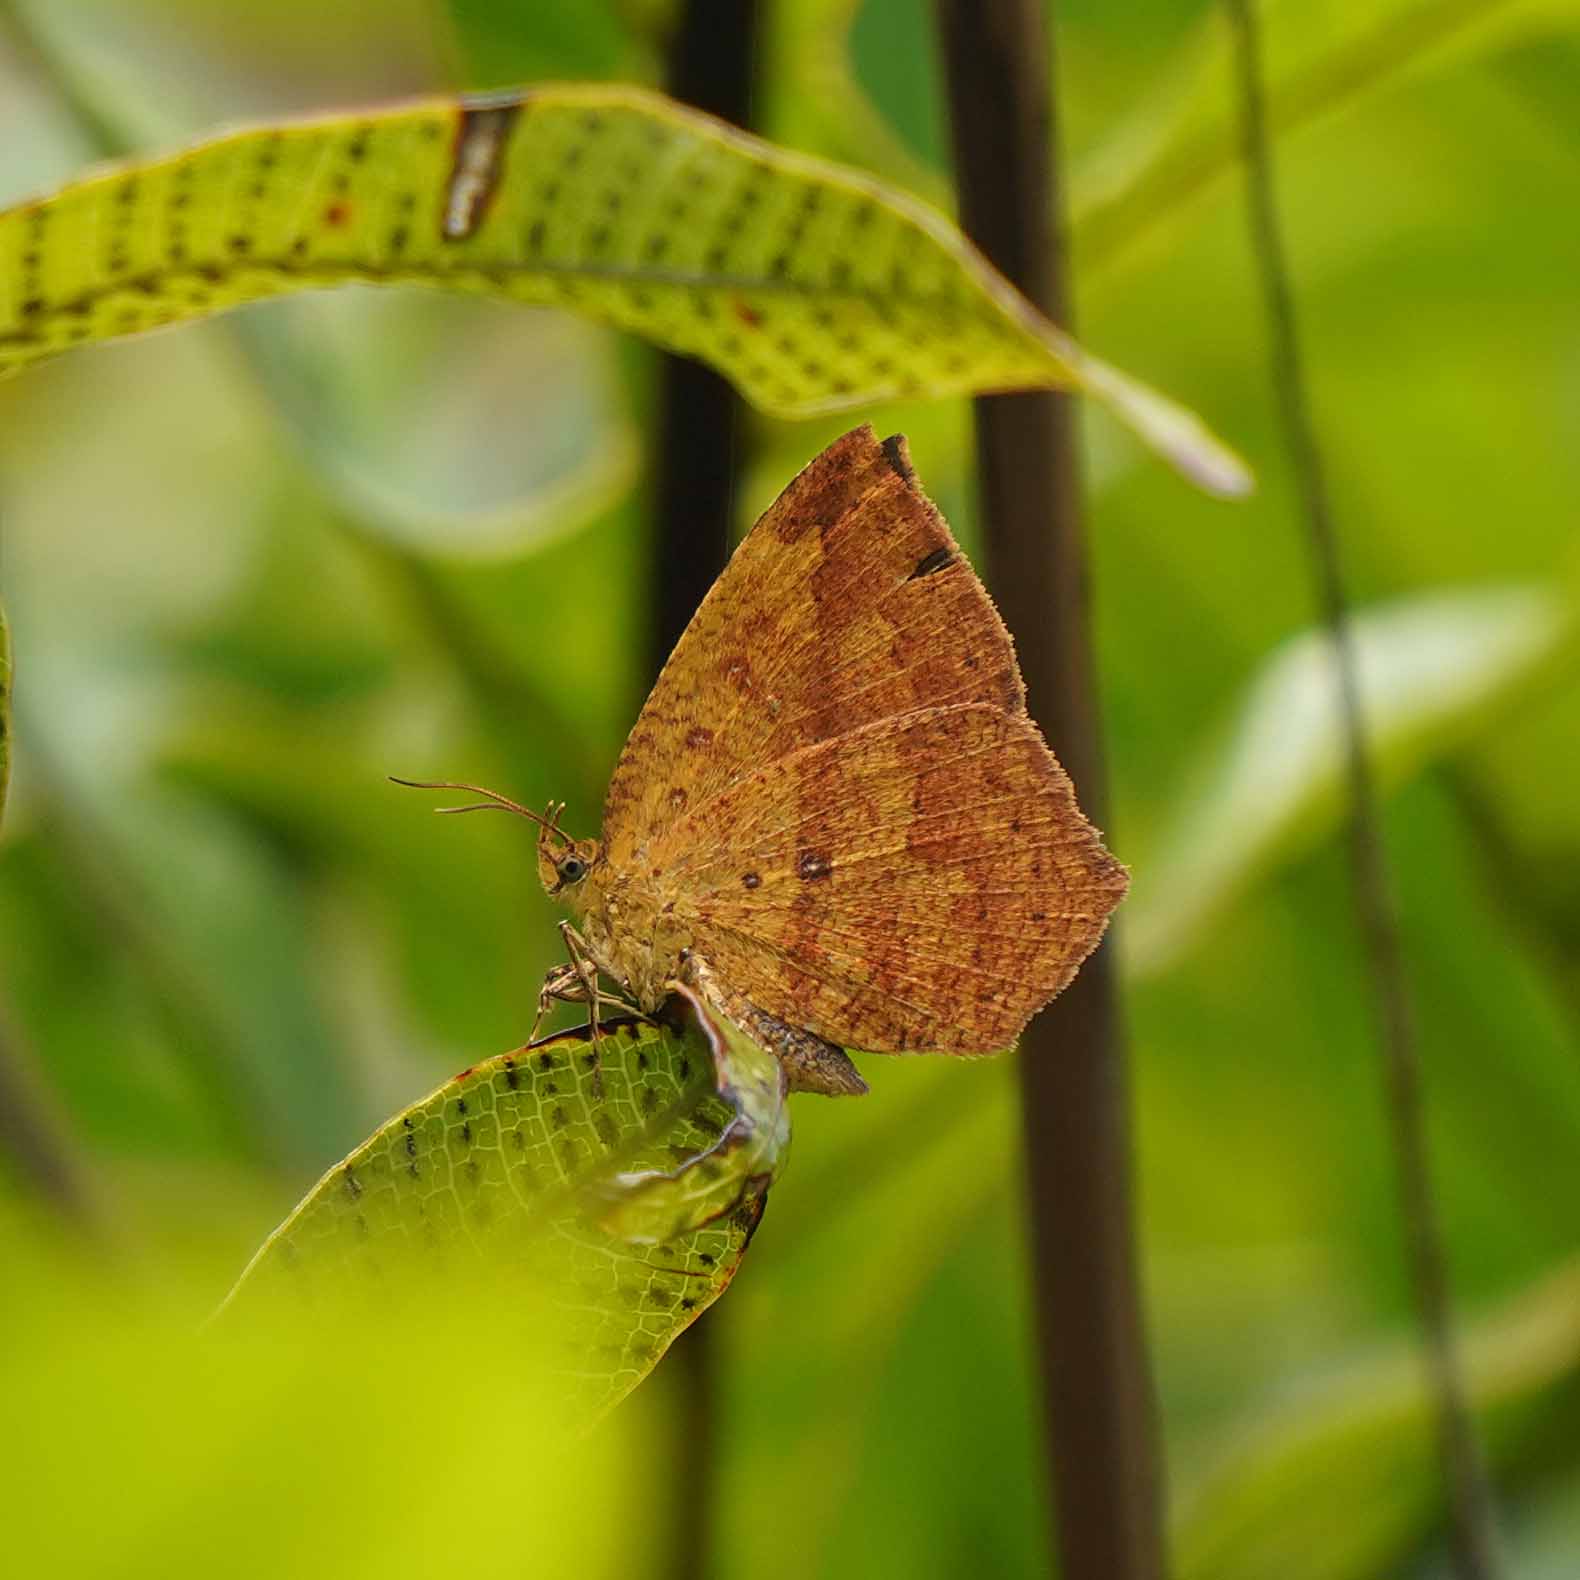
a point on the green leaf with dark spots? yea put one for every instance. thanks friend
(813, 287)
(602, 1193)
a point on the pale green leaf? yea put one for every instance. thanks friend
(1431, 667)
(410, 409)
(813, 287)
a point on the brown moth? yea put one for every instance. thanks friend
(833, 817)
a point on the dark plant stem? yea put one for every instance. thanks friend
(1470, 1504)
(1097, 1399)
(35, 1144)
(713, 66)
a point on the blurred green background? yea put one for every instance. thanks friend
(254, 566)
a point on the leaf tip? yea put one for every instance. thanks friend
(1178, 435)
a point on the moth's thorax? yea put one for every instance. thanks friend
(627, 931)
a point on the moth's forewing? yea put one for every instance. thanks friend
(834, 792)
(926, 883)
(848, 602)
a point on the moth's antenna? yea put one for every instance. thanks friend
(496, 802)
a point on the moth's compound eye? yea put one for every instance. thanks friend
(572, 869)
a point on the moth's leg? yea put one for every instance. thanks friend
(586, 969)
(560, 986)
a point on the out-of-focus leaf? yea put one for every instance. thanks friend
(1431, 668)
(1320, 58)
(561, 43)
(213, 926)
(813, 98)
(5, 710)
(245, 1451)
(1346, 1486)
(413, 410)
(813, 287)
(614, 1182)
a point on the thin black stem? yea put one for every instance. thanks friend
(713, 66)
(1470, 1504)
(1097, 1390)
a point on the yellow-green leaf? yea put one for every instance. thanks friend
(507, 1187)
(813, 287)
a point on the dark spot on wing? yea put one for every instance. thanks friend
(929, 563)
(812, 865)
(899, 454)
